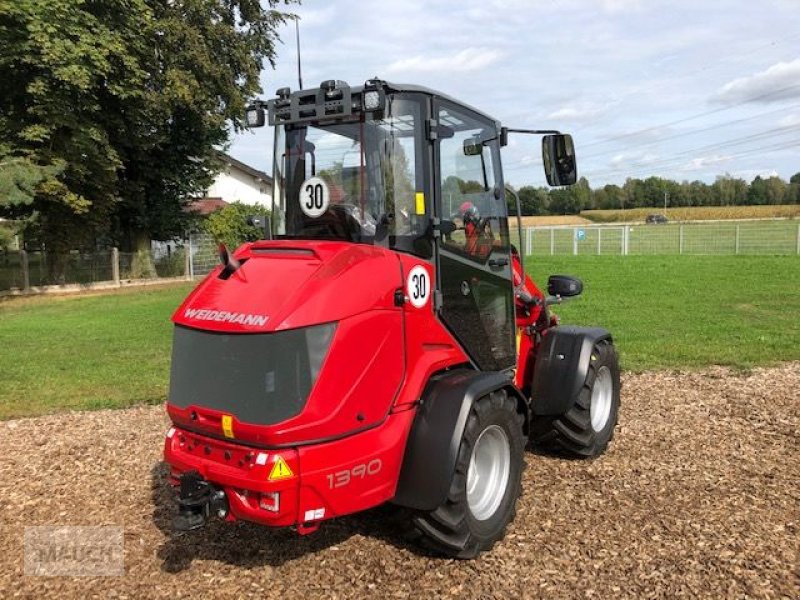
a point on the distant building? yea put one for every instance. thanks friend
(236, 181)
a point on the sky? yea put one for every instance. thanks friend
(679, 89)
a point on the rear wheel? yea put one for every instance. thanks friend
(588, 426)
(483, 493)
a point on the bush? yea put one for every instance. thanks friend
(229, 225)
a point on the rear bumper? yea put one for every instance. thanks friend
(315, 482)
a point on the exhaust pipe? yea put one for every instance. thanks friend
(197, 501)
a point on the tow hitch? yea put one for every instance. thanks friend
(198, 500)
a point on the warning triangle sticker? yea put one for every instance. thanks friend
(280, 470)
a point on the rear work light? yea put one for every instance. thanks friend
(270, 501)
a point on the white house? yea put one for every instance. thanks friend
(237, 182)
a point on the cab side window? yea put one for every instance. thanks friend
(467, 151)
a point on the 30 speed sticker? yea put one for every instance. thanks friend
(314, 197)
(418, 286)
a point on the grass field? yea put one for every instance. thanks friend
(113, 350)
(692, 213)
(85, 352)
(687, 311)
(740, 237)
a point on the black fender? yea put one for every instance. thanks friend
(435, 437)
(562, 362)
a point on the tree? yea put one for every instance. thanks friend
(204, 63)
(19, 180)
(533, 201)
(757, 192)
(793, 193)
(129, 98)
(776, 189)
(729, 191)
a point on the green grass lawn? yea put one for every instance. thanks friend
(112, 350)
(85, 352)
(687, 311)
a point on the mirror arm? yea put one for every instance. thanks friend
(506, 130)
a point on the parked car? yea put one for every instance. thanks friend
(656, 219)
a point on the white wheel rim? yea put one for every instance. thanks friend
(488, 473)
(602, 396)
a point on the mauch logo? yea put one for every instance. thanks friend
(223, 316)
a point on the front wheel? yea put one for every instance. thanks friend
(483, 493)
(588, 426)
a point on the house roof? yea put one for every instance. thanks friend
(229, 160)
(206, 206)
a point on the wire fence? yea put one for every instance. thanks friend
(39, 271)
(712, 238)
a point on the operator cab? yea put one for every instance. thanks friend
(412, 170)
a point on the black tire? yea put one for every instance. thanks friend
(573, 432)
(452, 529)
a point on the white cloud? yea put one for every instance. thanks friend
(470, 59)
(701, 162)
(614, 6)
(576, 113)
(531, 160)
(627, 159)
(790, 121)
(779, 82)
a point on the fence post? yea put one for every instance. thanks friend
(626, 235)
(26, 273)
(115, 265)
(798, 239)
(552, 241)
(190, 271)
(529, 242)
(187, 260)
(575, 241)
(736, 247)
(599, 237)
(680, 239)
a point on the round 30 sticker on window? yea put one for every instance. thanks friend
(418, 286)
(314, 197)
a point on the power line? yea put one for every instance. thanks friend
(693, 117)
(519, 164)
(782, 109)
(719, 146)
(652, 168)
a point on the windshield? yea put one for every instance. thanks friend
(360, 180)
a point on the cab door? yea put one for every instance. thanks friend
(473, 261)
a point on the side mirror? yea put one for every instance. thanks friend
(473, 146)
(564, 286)
(256, 116)
(558, 155)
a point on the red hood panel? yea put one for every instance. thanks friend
(286, 284)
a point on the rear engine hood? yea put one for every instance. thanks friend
(287, 284)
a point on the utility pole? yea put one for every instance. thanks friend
(666, 195)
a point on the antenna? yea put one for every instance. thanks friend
(297, 37)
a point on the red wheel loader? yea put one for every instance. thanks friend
(382, 343)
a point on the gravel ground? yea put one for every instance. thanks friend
(698, 496)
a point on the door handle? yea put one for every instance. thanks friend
(496, 263)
